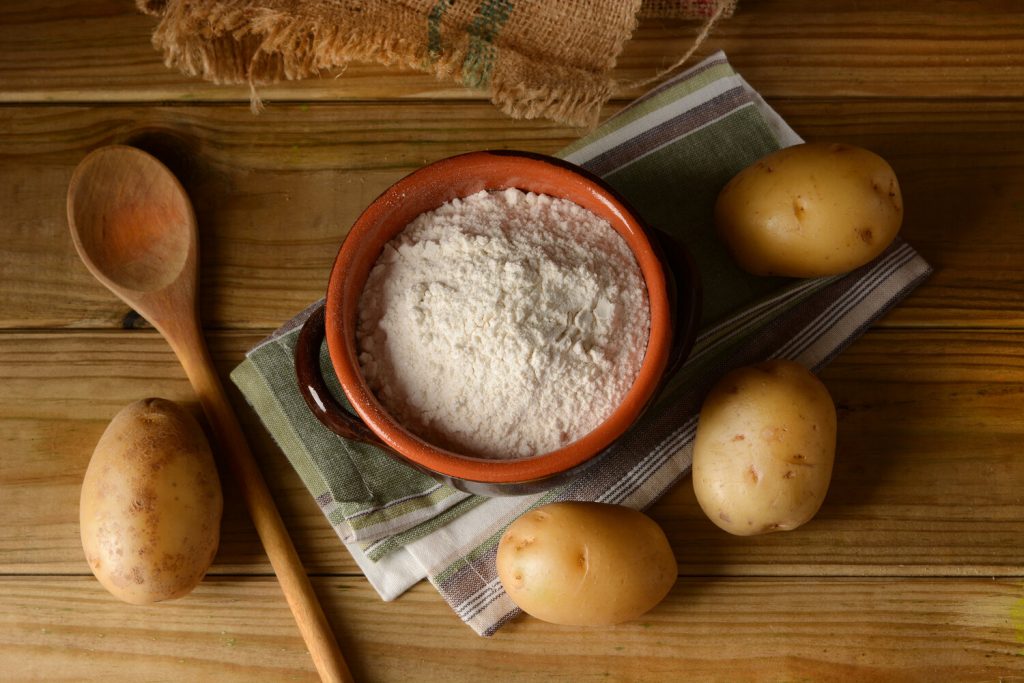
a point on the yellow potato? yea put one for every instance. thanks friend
(586, 564)
(766, 439)
(151, 504)
(809, 210)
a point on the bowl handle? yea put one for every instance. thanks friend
(314, 389)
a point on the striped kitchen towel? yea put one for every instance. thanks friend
(669, 153)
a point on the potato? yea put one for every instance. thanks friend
(585, 564)
(151, 504)
(810, 210)
(766, 439)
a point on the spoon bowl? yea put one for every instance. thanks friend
(133, 226)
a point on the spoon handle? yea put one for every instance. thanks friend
(298, 591)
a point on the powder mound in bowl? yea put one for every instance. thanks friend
(503, 325)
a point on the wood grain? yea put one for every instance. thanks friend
(79, 51)
(927, 483)
(297, 176)
(911, 572)
(821, 630)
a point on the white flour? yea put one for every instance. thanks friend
(503, 325)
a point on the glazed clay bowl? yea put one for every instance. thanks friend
(672, 290)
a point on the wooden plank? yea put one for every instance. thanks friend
(927, 480)
(298, 175)
(79, 51)
(854, 48)
(55, 629)
(290, 204)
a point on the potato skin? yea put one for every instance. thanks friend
(586, 564)
(151, 504)
(810, 210)
(765, 444)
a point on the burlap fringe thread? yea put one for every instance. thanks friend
(233, 42)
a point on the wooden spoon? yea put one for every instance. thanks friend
(133, 226)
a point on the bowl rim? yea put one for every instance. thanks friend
(517, 168)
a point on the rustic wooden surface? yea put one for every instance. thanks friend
(913, 570)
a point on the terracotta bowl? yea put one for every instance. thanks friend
(671, 287)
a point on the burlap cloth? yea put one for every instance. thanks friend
(536, 58)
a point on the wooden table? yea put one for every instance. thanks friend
(913, 569)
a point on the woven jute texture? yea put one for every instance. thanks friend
(536, 58)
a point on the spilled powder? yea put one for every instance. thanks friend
(503, 325)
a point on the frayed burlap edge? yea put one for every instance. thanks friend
(232, 42)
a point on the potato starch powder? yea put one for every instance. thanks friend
(503, 325)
